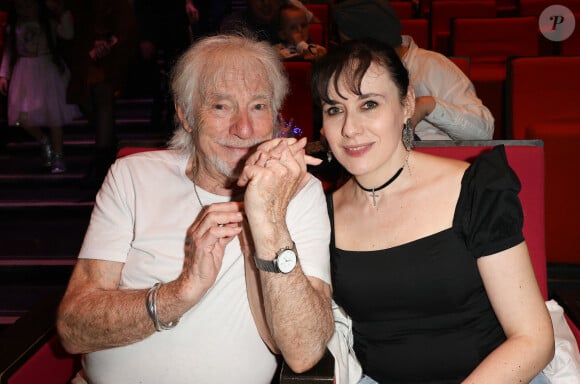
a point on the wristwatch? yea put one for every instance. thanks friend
(284, 262)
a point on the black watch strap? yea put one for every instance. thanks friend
(266, 265)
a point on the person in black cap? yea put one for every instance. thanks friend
(447, 106)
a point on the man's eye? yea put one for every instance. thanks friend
(220, 107)
(260, 107)
(370, 105)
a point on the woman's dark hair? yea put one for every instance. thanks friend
(349, 62)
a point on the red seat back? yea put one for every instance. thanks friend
(298, 106)
(321, 11)
(317, 33)
(418, 29)
(443, 12)
(489, 42)
(571, 45)
(462, 62)
(527, 160)
(561, 144)
(536, 7)
(404, 9)
(51, 364)
(542, 89)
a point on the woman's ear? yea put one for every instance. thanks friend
(409, 104)
(182, 119)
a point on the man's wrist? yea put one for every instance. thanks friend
(284, 261)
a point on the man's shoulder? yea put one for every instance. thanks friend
(139, 158)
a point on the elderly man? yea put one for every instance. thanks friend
(202, 262)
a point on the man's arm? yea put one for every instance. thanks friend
(452, 104)
(299, 316)
(95, 313)
(297, 307)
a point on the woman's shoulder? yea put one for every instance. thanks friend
(436, 167)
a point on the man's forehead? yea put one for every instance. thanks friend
(233, 80)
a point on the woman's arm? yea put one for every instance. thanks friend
(513, 290)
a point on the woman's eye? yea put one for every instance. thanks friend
(370, 105)
(332, 111)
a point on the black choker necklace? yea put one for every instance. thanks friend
(373, 190)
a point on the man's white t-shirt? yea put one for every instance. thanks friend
(141, 216)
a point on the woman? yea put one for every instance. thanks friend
(34, 76)
(428, 256)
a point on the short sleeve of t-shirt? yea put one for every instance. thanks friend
(489, 213)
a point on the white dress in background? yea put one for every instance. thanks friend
(37, 89)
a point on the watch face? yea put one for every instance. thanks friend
(286, 261)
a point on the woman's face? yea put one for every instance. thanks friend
(364, 131)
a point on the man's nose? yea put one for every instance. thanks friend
(242, 125)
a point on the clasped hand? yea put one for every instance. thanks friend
(272, 176)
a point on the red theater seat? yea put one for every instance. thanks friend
(541, 89)
(536, 7)
(571, 45)
(404, 9)
(462, 62)
(299, 107)
(317, 33)
(418, 29)
(561, 145)
(443, 12)
(322, 13)
(489, 42)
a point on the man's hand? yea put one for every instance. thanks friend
(272, 176)
(215, 227)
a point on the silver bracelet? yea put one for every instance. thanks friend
(151, 305)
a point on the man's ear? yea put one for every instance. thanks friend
(182, 119)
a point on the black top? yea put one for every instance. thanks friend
(420, 311)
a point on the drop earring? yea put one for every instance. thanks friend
(329, 156)
(408, 139)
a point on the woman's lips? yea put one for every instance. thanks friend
(357, 150)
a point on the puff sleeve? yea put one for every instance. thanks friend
(489, 214)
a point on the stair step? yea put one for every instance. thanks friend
(44, 217)
(43, 231)
(16, 300)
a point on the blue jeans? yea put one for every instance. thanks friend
(540, 379)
